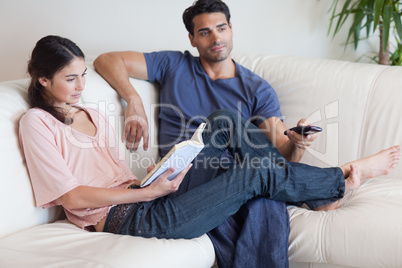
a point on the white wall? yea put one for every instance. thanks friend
(297, 27)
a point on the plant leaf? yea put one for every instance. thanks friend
(357, 35)
(356, 27)
(370, 17)
(377, 12)
(386, 25)
(334, 5)
(343, 15)
(398, 24)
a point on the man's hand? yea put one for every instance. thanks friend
(301, 141)
(136, 126)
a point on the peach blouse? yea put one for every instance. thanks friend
(60, 158)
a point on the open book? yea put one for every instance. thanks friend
(179, 157)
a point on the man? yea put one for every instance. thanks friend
(257, 236)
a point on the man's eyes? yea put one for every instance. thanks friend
(205, 33)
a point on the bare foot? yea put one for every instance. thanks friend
(351, 183)
(375, 165)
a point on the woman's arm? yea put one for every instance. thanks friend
(83, 197)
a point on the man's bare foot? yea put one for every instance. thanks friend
(375, 165)
(351, 183)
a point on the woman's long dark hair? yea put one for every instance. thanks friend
(50, 55)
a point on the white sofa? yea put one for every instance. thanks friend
(358, 107)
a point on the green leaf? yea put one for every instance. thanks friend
(398, 24)
(377, 12)
(343, 15)
(334, 5)
(357, 36)
(369, 16)
(386, 26)
(356, 27)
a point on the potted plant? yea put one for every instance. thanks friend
(372, 15)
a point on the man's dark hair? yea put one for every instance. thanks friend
(204, 6)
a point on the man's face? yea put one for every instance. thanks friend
(212, 36)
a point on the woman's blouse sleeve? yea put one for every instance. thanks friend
(50, 176)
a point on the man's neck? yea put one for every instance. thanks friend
(219, 70)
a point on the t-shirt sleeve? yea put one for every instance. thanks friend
(50, 176)
(266, 104)
(160, 63)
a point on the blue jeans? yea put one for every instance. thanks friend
(261, 172)
(256, 236)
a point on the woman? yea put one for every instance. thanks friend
(72, 161)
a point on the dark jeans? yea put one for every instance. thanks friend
(261, 172)
(256, 236)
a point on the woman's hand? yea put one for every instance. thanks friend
(150, 167)
(162, 186)
(301, 141)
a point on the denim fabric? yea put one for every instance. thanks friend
(260, 172)
(256, 236)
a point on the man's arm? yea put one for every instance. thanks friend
(116, 68)
(292, 146)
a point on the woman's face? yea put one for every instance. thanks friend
(67, 84)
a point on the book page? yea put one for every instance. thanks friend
(179, 157)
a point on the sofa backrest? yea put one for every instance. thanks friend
(16, 197)
(99, 94)
(357, 105)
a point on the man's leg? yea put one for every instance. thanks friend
(256, 236)
(259, 172)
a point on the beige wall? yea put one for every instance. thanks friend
(297, 27)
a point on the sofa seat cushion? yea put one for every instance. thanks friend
(62, 244)
(365, 231)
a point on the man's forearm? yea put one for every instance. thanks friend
(112, 68)
(291, 152)
(117, 68)
(274, 128)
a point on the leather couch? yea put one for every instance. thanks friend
(357, 105)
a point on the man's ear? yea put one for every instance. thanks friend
(43, 81)
(191, 37)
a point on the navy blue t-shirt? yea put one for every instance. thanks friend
(188, 95)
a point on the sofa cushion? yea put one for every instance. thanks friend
(365, 231)
(62, 244)
(18, 206)
(98, 94)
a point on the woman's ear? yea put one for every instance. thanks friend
(43, 81)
